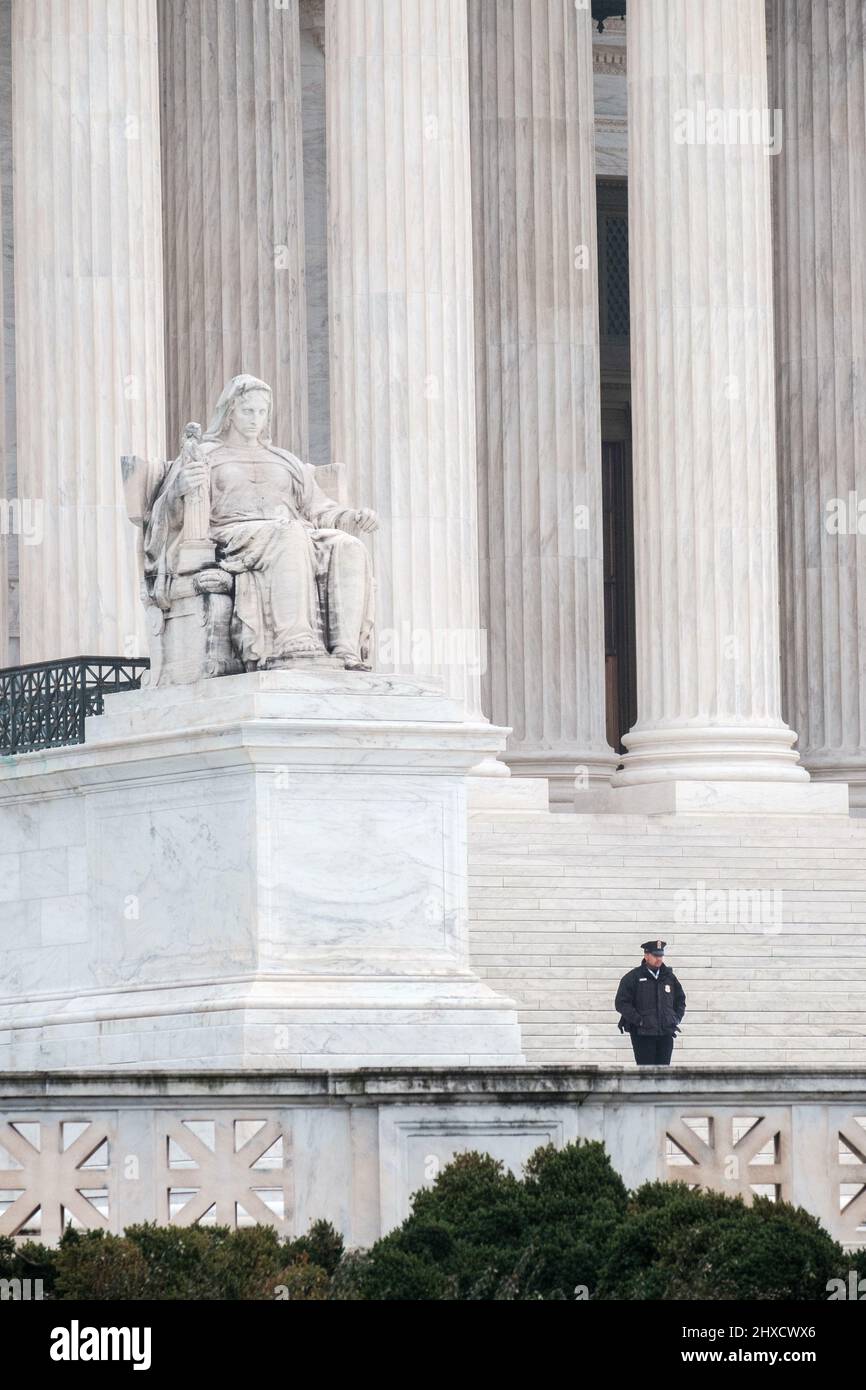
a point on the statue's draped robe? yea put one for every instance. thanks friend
(278, 534)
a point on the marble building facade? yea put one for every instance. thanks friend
(581, 315)
(217, 191)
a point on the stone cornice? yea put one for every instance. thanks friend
(769, 1085)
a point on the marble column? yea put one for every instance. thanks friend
(401, 311)
(703, 398)
(312, 20)
(88, 313)
(233, 207)
(819, 84)
(8, 479)
(538, 388)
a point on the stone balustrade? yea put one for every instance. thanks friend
(112, 1149)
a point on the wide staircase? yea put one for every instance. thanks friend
(765, 920)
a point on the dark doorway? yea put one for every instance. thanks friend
(619, 653)
(613, 295)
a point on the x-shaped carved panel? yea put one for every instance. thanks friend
(224, 1177)
(853, 1215)
(728, 1165)
(51, 1177)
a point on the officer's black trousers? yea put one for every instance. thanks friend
(652, 1052)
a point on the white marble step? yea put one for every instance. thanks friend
(766, 921)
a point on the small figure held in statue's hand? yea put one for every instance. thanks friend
(194, 469)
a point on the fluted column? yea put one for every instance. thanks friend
(402, 383)
(88, 312)
(234, 207)
(8, 481)
(703, 398)
(538, 388)
(819, 83)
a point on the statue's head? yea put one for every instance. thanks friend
(245, 403)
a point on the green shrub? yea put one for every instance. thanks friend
(679, 1243)
(29, 1260)
(243, 1263)
(300, 1282)
(96, 1266)
(189, 1263)
(481, 1233)
(578, 1203)
(469, 1223)
(179, 1259)
(322, 1246)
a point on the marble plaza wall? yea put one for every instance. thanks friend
(352, 1147)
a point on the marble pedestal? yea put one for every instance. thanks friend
(263, 870)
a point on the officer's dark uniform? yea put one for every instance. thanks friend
(651, 1009)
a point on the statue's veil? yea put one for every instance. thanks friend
(238, 386)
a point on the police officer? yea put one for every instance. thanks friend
(651, 1002)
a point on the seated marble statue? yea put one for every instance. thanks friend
(237, 518)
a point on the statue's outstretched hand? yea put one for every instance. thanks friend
(366, 520)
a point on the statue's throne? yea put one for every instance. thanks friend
(190, 632)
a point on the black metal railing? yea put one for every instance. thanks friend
(45, 705)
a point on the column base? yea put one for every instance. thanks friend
(832, 770)
(267, 1021)
(568, 777)
(712, 798)
(708, 753)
